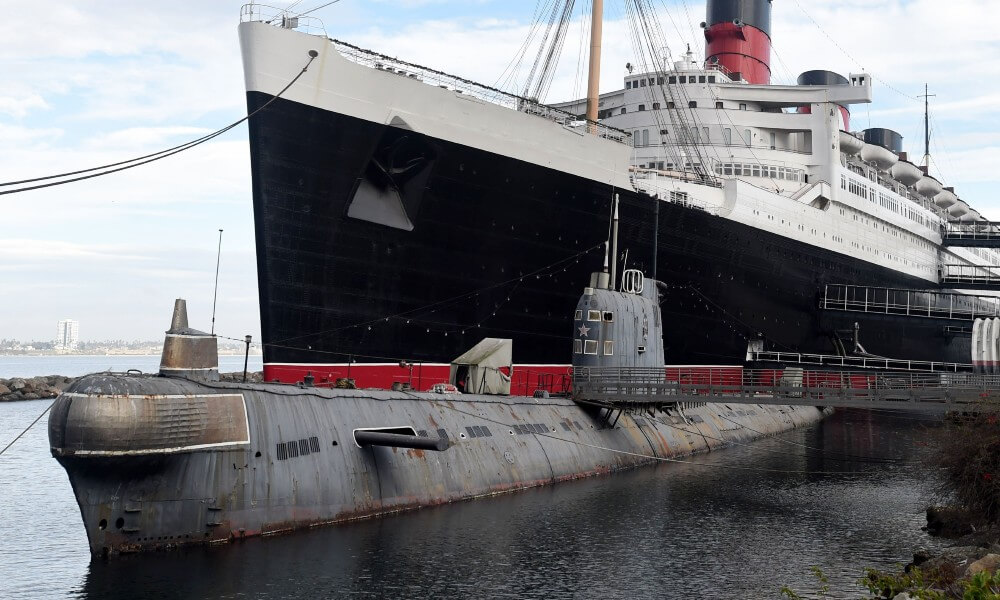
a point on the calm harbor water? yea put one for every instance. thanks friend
(674, 531)
(74, 366)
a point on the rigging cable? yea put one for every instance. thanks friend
(142, 160)
(27, 428)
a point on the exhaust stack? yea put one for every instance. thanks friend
(738, 37)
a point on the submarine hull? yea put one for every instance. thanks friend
(159, 462)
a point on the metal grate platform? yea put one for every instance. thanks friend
(980, 234)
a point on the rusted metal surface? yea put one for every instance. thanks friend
(301, 467)
(188, 352)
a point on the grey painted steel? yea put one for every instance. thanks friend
(396, 440)
(188, 352)
(930, 392)
(618, 329)
(301, 467)
(869, 363)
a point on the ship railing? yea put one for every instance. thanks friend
(272, 15)
(910, 303)
(691, 176)
(478, 91)
(629, 388)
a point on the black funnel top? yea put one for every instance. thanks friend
(756, 13)
(886, 138)
(821, 77)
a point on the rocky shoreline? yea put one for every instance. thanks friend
(42, 387)
(33, 388)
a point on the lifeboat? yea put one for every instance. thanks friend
(971, 217)
(904, 172)
(945, 198)
(882, 158)
(928, 187)
(850, 144)
(958, 209)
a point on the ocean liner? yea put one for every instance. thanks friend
(403, 214)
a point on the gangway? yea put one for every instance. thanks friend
(978, 234)
(930, 304)
(649, 389)
(971, 277)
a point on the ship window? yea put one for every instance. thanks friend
(643, 83)
(590, 347)
(746, 136)
(711, 78)
(701, 79)
(672, 79)
(756, 170)
(645, 138)
(623, 110)
(609, 348)
(641, 349)
(683, 79)
(578, 315)
(718, 105)
(642, 107)
(593, 315)
(651, 80)
(577, 346)
(664, 132)
(692, 104)
(656, 106)
(609, 316)
(659, 81)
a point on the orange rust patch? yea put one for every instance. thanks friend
(415, 453)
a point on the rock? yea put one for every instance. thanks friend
(988, 563)
(11, 397)
(30, 396)
(946, 521)
(902, 596)
(4, 389)
(16, 384)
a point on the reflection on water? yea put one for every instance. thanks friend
(677, 530)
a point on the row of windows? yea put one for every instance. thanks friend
(595, 316)
(756, 170)
(881, 198)
(591, 346)
(651, 81)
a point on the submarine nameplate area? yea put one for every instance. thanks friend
(141, 425)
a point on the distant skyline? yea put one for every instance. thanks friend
(105, 80)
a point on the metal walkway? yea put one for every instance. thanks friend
(647, 389)
(981, 234)
(909, 303)
(868, 363)
(971, 277)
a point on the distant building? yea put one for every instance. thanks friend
(67, 334)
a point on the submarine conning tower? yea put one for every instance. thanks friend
(188, 352)
(738, 37)
(618, 328)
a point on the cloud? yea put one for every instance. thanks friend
(19, 107)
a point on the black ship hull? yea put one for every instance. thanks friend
(499, 248)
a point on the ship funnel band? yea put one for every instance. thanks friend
(755, 13)
(188, 352)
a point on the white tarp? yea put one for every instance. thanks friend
(485, 368)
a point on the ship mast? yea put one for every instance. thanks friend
(927, 129)
(594, 80)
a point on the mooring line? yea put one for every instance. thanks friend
(27, 428)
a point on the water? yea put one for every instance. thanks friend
(673, 531)
(74, 366)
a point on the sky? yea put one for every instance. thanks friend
(89, 82)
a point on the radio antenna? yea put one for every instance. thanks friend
(215, 294)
